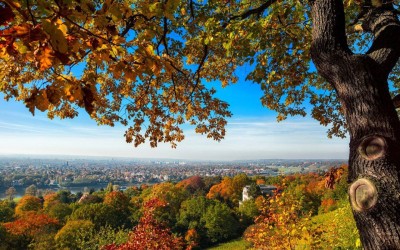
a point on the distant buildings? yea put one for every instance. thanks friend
(96, 173)
(264, 189)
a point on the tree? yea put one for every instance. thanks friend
(101, 215)
(172, 195)
(223, 190)
(31, 190)
(254, 190)
(60, 211)
(191, 217)
(6, 211)
(90, 198)
(11, 192)
(280, 225)
(147, 60)
(75, 234)
(109, 187)
(32, 224)
(132, 191)
(220, 223)
(239, 182)
(65, 196)
(50, 200)
(192, 184)
(248, 211)
(150, 234)
(117, 199)
(28, 204)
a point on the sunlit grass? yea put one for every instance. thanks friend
(237, 244)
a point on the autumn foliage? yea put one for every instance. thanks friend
(290, 219)
(31, 224)
(192, 183)
(301, 214)
(28, 203)
(123, 56)
(150, 234)
(117, 199)
(222, 190)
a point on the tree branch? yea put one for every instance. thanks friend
(329, 41)
(257, 11)
(17, 8)
(385, 49)
(163, 38)
(329, 31)
(30, 12)
(131, 22)
(191, 9)
(203, 59)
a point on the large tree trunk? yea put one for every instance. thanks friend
(374, 127)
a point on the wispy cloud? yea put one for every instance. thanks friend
(247, 138)
(18, 127)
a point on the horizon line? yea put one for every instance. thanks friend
(53, 156)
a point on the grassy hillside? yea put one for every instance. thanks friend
(237, 244)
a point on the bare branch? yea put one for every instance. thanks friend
(163, 38)
(203, 60)
(28, 5)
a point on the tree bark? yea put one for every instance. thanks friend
(361, 84)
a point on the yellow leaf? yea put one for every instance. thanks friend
(46, 58)
(63, 28)
(16, 4)
(358, 27)
(358, 243)
(156, 68)
(73, 92)
(19, 45)
(57, 36)
(149, 50)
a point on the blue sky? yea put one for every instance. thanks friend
(252, 133)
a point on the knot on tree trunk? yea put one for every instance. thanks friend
(363, 195)
(373, 147)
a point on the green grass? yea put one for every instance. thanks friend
(16, 200)
(237, 244)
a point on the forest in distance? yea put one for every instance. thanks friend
(304, 211)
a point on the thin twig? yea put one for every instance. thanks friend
(30, 12)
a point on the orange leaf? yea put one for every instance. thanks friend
(46, 58)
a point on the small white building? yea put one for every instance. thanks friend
(264, 189)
